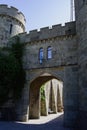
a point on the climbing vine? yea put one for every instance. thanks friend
(12, 75)
(42, 93)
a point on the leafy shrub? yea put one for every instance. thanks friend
(12, 75)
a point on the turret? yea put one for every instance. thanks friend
(12, 22)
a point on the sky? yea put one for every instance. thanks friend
(42, 13)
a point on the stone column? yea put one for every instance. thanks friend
(43, 108)
(59, 101)
(44, 101)
(34, 103)
(52, 102)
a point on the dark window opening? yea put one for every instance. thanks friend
(11, 28)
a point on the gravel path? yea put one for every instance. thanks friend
(42, 124)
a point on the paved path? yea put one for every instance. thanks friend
(42, 124)
(45, 119)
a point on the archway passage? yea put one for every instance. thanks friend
(46, 96)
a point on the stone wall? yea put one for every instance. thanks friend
(81, 22)
(64, 52)
(68, 62)
(71, 98)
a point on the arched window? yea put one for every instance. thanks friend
(41, 54)
(49, 52)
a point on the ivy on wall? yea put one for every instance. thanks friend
(12, 75)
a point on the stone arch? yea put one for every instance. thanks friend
(70, 95)
(34, 94)
(57, 73)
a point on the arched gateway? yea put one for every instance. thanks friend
(51, 86)
(36, 77)
(57, 53)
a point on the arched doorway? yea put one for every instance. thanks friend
(46, 96)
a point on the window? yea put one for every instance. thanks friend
(10, 28)
(41, 55)
(49, 52)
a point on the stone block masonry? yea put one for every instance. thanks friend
(57, 53)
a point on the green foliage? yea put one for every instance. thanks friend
(12, 75)
(42, 92)
(17, 50)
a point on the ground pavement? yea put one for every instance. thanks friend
(52, 122)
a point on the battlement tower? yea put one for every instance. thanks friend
(12, 22)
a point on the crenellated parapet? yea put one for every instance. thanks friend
(46, 33)
(13, 13)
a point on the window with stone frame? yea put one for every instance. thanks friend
(41, 55)
(49, 52)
